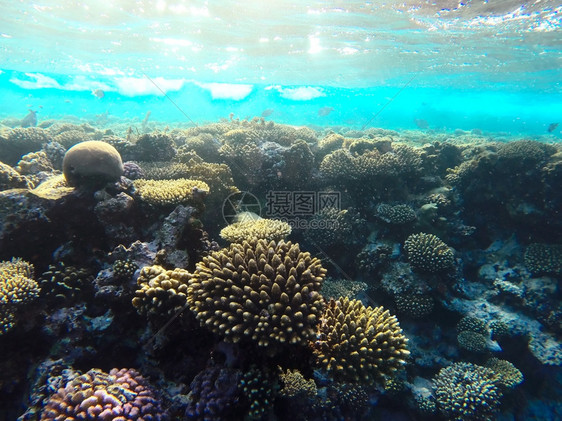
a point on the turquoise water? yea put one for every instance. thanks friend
(473, 65)
(410, 150)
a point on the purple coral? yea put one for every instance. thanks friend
(132, 170)
(121, 395)
(214, 394)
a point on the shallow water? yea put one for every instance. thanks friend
(410, 150)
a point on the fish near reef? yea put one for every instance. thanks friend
(552, 127)
(324, 111)
(98, 93)
(30, 120)
(422, 124)
(267, 112)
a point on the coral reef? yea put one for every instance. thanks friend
(427, 253)
(264, 292)
(359, 344)
(265, 229)
(118, 395)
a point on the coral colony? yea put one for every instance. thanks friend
(380, 274)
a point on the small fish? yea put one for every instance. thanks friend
(324, 111)
(267, 112)
(30, 120)
(552, 127)
(422, 124)
(98, 93)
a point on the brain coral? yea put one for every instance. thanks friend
(359, 344)
(465, 391)
(91, 161)
(170, 192)
(266, 229)
(427, 253)
(266, 292)
(544, 258)
(121, 395)
(17, 288)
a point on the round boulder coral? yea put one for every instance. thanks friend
(121, 395)
(265, 292)
(427, 253)
(466, 391)
(359, 344)
(92, 161)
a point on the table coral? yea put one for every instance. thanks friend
(427, 253)
(397, 214)
(264, 292)
(266, 229)
(359, 344)
(466, 391)
(170, 192)
(119, 395)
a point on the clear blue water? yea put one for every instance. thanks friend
(493, 66)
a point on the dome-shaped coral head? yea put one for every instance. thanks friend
(259, 291)
(91, 163)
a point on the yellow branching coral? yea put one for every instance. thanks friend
(17, 288)
(264, 292)
(294, 385)
(266, 229)
(170, 192)
(162, 293)
(507, 374)
(359, 344)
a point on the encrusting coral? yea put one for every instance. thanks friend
(264, 292)
(265, 229)
(359, 344)
(17, 289)
(466, 391)
(120, 395)
(427, 253)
